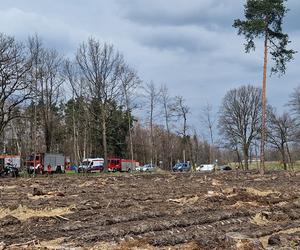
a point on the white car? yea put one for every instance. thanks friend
(139, 168)
(206, 167)
(148, 168)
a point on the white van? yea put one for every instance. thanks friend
(91, 165)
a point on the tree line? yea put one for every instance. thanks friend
(83, 107)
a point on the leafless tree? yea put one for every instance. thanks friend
(281, 129)
(151, 98)
(167, 103)
(130, 81)
(100, 66)
(48, 80)
(208, 121)
(182, 111)
(240, 117)
(74, 80)
(15, 64)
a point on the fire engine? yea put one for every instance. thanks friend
(45, 162)
(122, 165)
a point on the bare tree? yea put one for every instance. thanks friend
(100, 66)
(167, 102)
(48, 80)
(281, 129)
(15, 64)
(182, 110)
(151, 97)
(240, 117)
(208, 121)
(74, 80)
(129, 81)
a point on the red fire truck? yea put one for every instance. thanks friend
(51, 163)
(122, 165)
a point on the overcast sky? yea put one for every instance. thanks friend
(189, 45)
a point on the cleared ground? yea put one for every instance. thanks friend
(151, 211)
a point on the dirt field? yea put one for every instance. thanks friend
(151, 211)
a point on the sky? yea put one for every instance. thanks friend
(188, 45)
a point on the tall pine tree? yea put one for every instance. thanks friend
(263, 20)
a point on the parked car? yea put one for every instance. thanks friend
(181, 167)
(139, 169)
(225, 168)
(148, 168)
(206, 167)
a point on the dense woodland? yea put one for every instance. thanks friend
(95, 105)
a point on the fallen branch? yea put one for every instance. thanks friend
(61, 217)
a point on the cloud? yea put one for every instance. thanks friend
(212, 13)
(190, 40)
(54, 32)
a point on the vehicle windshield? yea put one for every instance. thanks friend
(86, 163)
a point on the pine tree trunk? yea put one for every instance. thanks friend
(263, 125)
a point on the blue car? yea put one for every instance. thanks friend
(181, 167)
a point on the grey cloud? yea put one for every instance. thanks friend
(177, 40)
(212, 13)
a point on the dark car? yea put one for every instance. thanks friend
(225, 168)
(181, 167)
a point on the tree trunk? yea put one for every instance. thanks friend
(263, 125)
(282, 151)
(211, 155)
(104, 139)
(74, 133)
(151, 132)
(48, 138)
(238, 157)
(130, 138)
(169, 147)
(290, 156)
(246, 156)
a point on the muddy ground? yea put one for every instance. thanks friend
(151, 211)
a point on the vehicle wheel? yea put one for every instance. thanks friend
(58, 170)
(14, 173)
